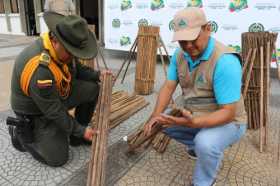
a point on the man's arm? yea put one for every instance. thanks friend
(46, 97)
(163, 100)
(222, 116)
(164, 97)
(86, 73)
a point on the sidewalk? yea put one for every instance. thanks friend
(242, 165)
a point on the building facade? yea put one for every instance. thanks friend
(24, 17)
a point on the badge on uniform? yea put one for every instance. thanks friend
(44, 83)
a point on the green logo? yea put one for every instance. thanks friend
(182, 23)
(171, 25)
(116, 23)
(126, 4)
(214, 26)
(200, 80)
(236, 48)
(256, 27)
(195, 3)
(125, 40)
(237, 5)
(157, 4)
(143, 22)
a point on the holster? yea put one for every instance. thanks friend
(24, 127)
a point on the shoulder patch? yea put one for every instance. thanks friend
(44, 83)
(45, 59)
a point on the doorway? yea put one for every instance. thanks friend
(30, 18)
(89, 11)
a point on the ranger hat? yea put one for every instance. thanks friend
(187, 24)
(73, 33)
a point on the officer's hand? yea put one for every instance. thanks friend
(103, 72)
(89, 132)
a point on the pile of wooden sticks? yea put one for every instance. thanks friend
(257, 50)
(123, 106)
(159, 140)
(97, 164)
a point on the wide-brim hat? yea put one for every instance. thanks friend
(73, 33)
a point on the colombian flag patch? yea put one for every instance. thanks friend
(44, 83)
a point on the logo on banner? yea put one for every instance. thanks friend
(126, 4)
(256, 27)
(143, 22)
(276, 56)
(236, 48)
(237, 5)
(116, 23)
(171, 25)
(214, 26)
(195, 3)
(125, 40)
(157, 4)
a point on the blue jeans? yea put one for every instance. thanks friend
(209, 145)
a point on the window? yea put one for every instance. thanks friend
(2, 10)
(14, 6)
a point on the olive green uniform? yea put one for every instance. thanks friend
(48, 110)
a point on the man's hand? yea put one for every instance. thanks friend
(89, 132)
(103, 72)
(149, 125)
(185, 120)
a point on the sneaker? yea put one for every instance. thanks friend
(191, 154)
(15, 141)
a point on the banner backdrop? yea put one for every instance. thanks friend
(229, 18)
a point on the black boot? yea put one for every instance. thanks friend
(75, 141)
(15, 140)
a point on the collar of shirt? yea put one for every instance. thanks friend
(205, 56)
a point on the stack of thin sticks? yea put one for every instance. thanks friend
(160, 141)
(147, 45)
(97, 164)
(124, 106)
(257, 49)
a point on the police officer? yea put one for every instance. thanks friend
(47, 81)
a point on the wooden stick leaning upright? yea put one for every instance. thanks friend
(97, 164)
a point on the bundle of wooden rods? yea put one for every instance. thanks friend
(97, 164)
(123, 106)
(138, 140)
(147, 45)
(257, 50)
